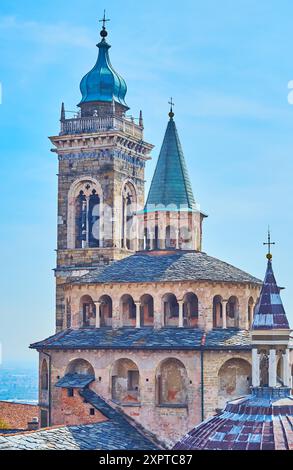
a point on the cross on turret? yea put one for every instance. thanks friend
(171, 103)
(269, 243)
(104, 20)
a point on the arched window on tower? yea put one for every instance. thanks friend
(44, 376)
(128, 226)
(170, 237)
(170, 309)
(80, 220)
(88, 312)
(190, 310)
(94, 220)
(232, 312)
(156, 238)
(84, 230)
(171, 383)
(217, 312)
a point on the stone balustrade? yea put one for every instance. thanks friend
(82, 125)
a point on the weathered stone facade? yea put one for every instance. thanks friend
(137, 358)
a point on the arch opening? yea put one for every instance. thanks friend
(146, 310)
(44, 376)
(128, 309)
(172, 383)
(232, 312)
(217, 312)
(106, 310)
(125, 382)
(234, 380)
(87, 312)
(190, 310)
(171, 310)
(128, 226)
(81, 367)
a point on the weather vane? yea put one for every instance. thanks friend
(269, 243)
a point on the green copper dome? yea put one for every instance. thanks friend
(170, 183)
(103, 83)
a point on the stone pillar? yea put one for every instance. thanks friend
(224, 313)
(180, 322)
(137, 305)
(255, 368)
(286, 369)
(177, 239)
(98, 320)
(151, 234)
(272, 368)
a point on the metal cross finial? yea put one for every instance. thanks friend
(171, 103)
(269, 243)
(104, 20)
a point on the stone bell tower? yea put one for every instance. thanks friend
(102, 155)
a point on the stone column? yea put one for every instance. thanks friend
(177, 239)
(98, 320)
(272, 368)
(286, 369)
(180, 321)
(137, 305)
(255, 368)
(87, 222)
(224, 313)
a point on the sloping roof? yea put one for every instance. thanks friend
(170, 183)
(107, 435)
(261, 421)
(75, 381)
(177, 266)
(146, 338)
(270, 313)
(116, 433)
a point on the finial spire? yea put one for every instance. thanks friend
(269, 243)
(171, 103)
(62, 116)
(140, 122)
(104, 33)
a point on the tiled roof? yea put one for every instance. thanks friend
(16, 415)
(115, 433)
(74, 381)
(177, 266)
(170, 183)
(146, 338)
(261, 421)
(270, 313)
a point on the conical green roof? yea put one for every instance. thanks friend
(170, 184)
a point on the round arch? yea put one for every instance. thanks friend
(87, 312)
(234, 380)
(83, 189)
(105, 310)
(125, 381)
(146, 310)
(170, 308)
(171, 383)
(44, 376)
(80, 366)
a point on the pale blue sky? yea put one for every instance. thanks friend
(227, 65)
